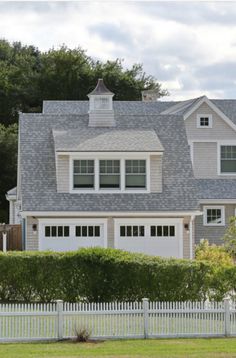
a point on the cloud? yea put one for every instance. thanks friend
(189, 47)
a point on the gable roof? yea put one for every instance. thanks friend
(186, 108)
(38, 172)
(107, 140)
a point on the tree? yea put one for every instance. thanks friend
(8, 163)
(230, 237)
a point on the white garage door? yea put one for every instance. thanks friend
(71, 234)
(161, 237)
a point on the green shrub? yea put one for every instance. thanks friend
(98, 274)
(213, 253)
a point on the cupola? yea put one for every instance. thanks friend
(101, 112)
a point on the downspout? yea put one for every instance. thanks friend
(23, 231)
(191, 237)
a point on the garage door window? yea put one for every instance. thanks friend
(87, 231)
(132, 231)
(162, 231)
(57, 231)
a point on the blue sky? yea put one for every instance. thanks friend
(190, 47)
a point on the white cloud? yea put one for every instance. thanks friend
(178, 43)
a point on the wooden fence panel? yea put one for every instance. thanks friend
(14, 237)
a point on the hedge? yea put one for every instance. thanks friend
(97, 274)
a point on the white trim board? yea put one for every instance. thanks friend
(217, 201)
(120, 214)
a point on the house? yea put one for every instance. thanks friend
(130, 175)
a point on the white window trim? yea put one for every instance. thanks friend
(219, 144)
(106, 156)
(72, 223)
(199, 123)
(205, 208)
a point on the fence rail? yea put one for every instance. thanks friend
(59, 320)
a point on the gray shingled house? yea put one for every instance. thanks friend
(151, 177)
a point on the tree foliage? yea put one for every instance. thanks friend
(28, 76)
(8, 160)
(230, 237)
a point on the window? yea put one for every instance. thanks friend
(214, 216)
(87, 231)
(228, 159)
(132, 231)
(109, 177)
(162, 231)
(204, 121)
(135, 174)
(57, 231)
(101, 103)
(83, 174)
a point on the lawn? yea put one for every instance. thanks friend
(172, 348)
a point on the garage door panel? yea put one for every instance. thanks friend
(165, 246)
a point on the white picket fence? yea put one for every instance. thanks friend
(59, 320)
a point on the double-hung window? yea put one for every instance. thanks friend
(109, 174)
(228, 159)
(135, 174)
(83, 175)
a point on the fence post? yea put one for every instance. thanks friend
(227, 316)
(4, 242)
(59, 319)
(145, 316)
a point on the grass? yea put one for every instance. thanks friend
(171, 348)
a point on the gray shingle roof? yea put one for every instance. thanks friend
(120, 107)
(217, 188)
(38, 174)
(107, 140)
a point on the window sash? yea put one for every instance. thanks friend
(109, 174)
(204, 121)
(228, 159)
(135, 174)
(83, 174)
(214, 216)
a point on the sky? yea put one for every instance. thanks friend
(189, 47)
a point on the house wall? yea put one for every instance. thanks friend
(205, 160)
(32, 239)
(156, 174)
(63, 174)
(213, 234)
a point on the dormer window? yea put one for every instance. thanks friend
(204, 121)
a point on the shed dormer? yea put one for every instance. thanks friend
(101, 112)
